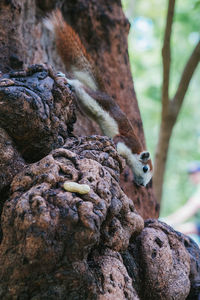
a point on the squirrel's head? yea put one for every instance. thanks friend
(142, 168)
(140, 164)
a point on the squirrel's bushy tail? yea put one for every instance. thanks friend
(71, 50)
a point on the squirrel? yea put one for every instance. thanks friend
(97, 105)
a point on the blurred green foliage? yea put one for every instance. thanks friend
(147, 19)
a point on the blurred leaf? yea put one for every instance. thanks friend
(153, 92)
(197, 4)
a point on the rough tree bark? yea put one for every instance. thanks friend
(103, 29)
(170, 107)
(57, 244)
(62, 245)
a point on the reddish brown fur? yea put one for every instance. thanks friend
(68, 42)
(69, 46)
(71, 49)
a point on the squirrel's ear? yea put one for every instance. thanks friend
(145, 156)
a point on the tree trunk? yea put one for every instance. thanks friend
(59, 244)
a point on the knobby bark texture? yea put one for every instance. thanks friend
(35, 117)
(62, 245)
(103, 30)
(57, 244)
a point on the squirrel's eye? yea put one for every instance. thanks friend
(145, 169)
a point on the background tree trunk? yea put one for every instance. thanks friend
(103, 30)
(165, 133)
(170, 107)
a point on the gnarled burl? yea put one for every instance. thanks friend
(35, 110)
(49, 234)
(36, 116)
(62, 245)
